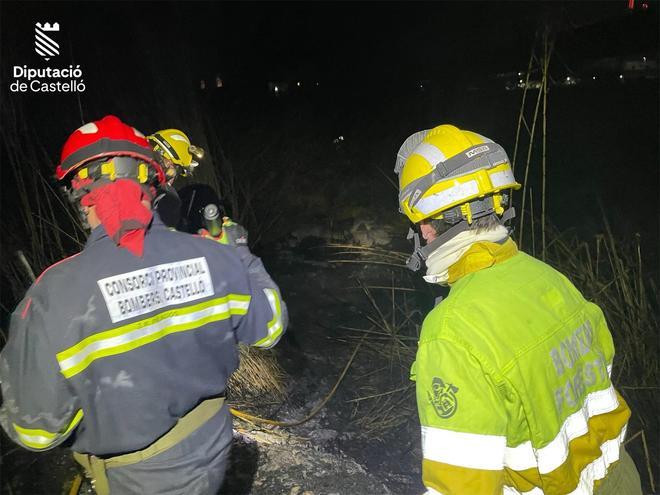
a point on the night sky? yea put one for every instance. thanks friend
(144, 61)
(371, 74)
(249, 43)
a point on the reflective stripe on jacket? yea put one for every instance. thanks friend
(513, 382)
(115, 349)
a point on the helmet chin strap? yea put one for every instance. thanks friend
(422, 253)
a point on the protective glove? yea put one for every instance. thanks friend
(236, 234)
(232, 233)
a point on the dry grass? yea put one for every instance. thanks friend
(42, 227)
(370, 255)
(393, 330)
(384, 396)
(378, 414)
(610, 272)
(259, 376)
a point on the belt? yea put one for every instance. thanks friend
(185, 426)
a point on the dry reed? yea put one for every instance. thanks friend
(610, 272)
(258, 377)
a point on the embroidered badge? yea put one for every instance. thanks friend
(443, 398)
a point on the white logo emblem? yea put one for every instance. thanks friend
(476, 151)
(44, 45)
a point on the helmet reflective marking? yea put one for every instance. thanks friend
(444, 198)
(89, 128)
(179, 137)
(503, 178)
(407, 148)
(431, 153)
(445, 157)
(167, 147)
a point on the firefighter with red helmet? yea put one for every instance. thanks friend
(122, 351)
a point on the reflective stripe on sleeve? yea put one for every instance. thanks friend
(584, 484)
(587, 443)
(275, 325)
(41, 439)
(594, 471)
(555, 453)
(470, 450)
(508, 490)
(521, 457)
(128, 337)
(597, 470)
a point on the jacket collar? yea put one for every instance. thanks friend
(482, 255)
(99, 232)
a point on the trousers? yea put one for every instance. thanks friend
(623, 479)
(193, 466)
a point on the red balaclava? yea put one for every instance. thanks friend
(118, 203)
(121, 212)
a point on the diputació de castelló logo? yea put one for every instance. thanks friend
(44, 45)
(68, 79)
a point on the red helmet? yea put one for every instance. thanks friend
(105, 138)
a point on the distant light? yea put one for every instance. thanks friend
(620, 76)
(520, 73)
(276, 89)
(338, 139)
(298, 84)
(593, 77)
(520, 81)
(218, 82)
(317, 83)
(202, 84)
(568, 78)
(644, 59)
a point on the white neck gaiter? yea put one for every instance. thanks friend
(438, 263)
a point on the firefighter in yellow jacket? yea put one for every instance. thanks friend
(513, 368)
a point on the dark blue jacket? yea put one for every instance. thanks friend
(113, 349)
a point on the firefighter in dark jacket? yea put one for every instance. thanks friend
(124, 349)
(178, 158)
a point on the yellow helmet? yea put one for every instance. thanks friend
(454, 176)
(451, 174)
(174, 146)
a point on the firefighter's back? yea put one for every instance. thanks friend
(547, 352)
(144, 339)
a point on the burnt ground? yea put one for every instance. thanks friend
(333, 452)
(356, 444)
(326, 455)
